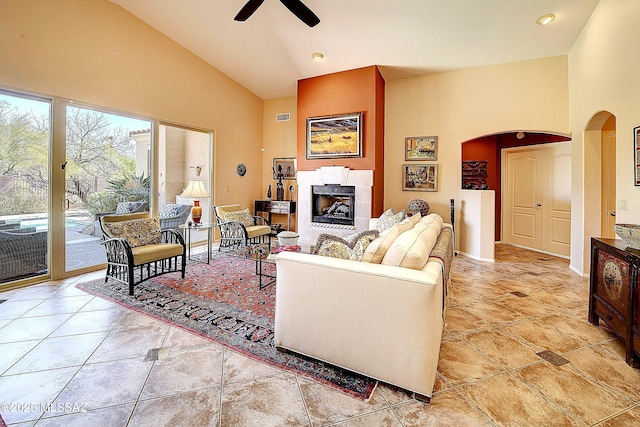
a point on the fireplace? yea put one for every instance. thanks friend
(333, 204)
(359, 182)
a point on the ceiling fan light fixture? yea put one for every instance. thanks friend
(546, 19)
(318, 56)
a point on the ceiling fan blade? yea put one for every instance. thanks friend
(302, 12)
(248, 9)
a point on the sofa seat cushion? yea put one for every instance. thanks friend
(155, 252)
(138, 232)
(376, 250)
(412, 248)
(349, 247)
(257, 230)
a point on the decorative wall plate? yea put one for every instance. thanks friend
(241, 169)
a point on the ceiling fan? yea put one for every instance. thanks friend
(295, 6)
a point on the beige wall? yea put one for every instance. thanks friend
(97, 53)
(603, 76)
(461, 105)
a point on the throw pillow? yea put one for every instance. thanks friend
(168, 210)
(138, 232)
(123, 208)
(244, 216)
(389, 218)
(351, 247)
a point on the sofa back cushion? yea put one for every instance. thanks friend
(412, 248)
(138, 232)
(376, 250)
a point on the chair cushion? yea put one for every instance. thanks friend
(257, 230)
(350, 247)
(155, 252)
(138, 232)
(244, 216)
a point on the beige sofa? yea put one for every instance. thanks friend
(383, 319)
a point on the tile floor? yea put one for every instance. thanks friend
(91, 359)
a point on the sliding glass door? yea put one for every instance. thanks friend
(25, 123)
(107, 171)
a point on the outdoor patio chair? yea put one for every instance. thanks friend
(23, 252)
(138, 250)
(173, 216)
(239, 228)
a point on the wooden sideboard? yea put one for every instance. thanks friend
(271, 207)
(614, 292)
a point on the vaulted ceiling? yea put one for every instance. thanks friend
(270, 51)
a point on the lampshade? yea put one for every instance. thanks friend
(195, 190)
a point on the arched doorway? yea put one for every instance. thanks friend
(488, 148)
(599, 179)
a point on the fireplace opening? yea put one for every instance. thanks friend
(333, 204)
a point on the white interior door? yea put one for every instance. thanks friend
(556, 199)
(608, 184)
(524, 198)
(537, 198)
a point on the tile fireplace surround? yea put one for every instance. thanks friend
(362, 180)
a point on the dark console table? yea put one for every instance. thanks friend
(614, 292)
(270, 207)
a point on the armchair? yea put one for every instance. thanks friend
(239, 228)
(138, 250)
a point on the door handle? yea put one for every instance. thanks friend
(538, 205)
(612, 213)
(65, 204)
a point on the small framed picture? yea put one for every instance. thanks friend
(636, 155)
(285, 166)
(420, 177)
(421, 148)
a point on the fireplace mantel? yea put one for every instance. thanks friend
(362, 180)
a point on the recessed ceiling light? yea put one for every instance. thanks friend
(317, 56)
(546, 19)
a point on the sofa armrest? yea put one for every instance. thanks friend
(381, 321)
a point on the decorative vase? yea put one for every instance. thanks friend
(280, 193)
(269, 192)
(196, 212)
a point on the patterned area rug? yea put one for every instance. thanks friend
(221, 301)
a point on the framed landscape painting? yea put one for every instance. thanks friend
(334, 136)
(421, 148)
(285, 166)
(420, 177)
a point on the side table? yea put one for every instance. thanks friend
(202, 226)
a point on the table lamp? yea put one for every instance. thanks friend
(195, 190)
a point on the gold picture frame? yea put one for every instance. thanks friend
(420, 177)
(421, 148)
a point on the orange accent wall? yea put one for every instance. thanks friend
(360, 90)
